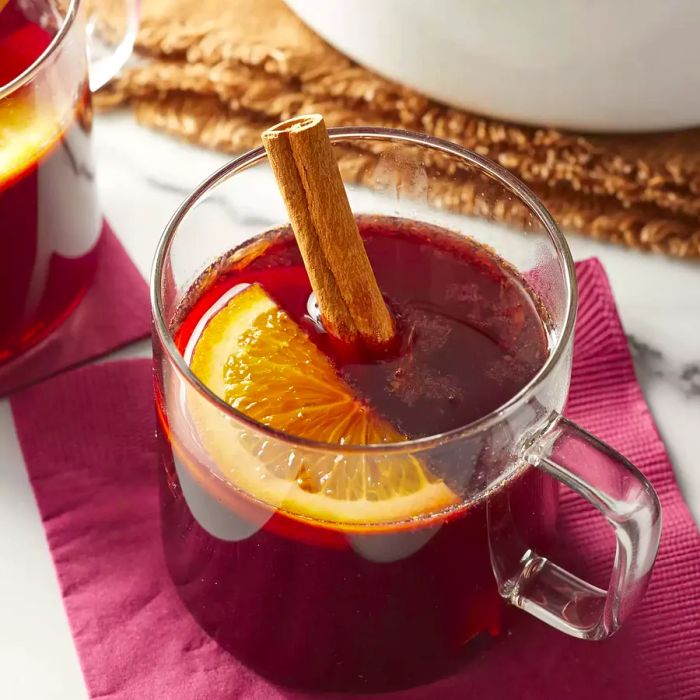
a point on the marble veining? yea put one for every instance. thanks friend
(650, 362)
(237, 215)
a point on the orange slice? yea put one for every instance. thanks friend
(26, 133)
(253, 356)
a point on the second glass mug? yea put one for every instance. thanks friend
(387, 605)
(50, 221)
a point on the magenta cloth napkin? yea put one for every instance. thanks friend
(87, 437)
(114, 312)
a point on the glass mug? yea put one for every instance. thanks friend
(50, 223)
(393, 604)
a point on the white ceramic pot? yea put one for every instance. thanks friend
(600, 65)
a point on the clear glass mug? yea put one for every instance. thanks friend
(385, 605)
(50, 222)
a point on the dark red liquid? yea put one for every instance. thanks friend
(309, 605)
(49, 223)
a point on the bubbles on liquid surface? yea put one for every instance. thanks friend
(314, 312)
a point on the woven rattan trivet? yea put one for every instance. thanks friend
(217, 72)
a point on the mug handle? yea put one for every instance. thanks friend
(107, 57)
(627, 501)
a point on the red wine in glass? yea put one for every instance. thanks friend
(49, 221)
(311, 605)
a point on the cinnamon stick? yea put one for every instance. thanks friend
(351, 304)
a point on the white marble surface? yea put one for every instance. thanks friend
(143, 176)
